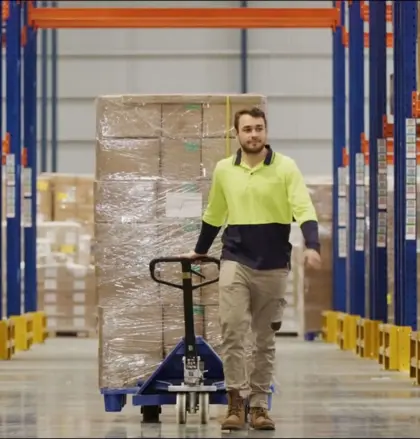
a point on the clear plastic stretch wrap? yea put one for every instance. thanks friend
(154, 161)
(318, 283)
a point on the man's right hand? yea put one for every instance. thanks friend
(192, 255)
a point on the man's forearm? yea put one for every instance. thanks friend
(311, 235)
(207, 235)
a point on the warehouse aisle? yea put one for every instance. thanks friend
(51, 391)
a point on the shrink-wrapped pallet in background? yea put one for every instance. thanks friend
(316, 296)
(154, 160)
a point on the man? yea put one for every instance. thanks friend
(256, 193)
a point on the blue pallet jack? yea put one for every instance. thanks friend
(191, 376)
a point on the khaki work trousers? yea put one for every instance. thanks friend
(250, 298)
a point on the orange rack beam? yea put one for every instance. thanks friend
(239, 18)
(365, 11)
(345, 39)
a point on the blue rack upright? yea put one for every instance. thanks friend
(19, 153)
(356, 205)
(405, 174)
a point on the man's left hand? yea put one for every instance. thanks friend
(312, 259)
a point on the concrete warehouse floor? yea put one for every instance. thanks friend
(52, 391)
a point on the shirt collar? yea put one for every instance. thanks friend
(267, 161)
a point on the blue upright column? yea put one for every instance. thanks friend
(339, 171)
(405, 33)
(13, 158)
(356, 231)
(378, 162)
(30, 169)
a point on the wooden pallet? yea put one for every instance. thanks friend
(72, 333)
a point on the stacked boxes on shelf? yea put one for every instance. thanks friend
(155, 155)
(66, 290)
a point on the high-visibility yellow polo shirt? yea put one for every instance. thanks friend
(258, 205)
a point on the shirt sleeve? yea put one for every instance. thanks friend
(303, 210)
(214, 216)
(216, 211)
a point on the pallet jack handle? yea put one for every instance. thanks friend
(187, 269)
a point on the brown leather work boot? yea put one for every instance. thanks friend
(235, 417)
(260, 420)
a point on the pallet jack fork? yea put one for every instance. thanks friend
(195, 387)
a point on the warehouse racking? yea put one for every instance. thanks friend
(22, 21)
(361, 320)
(351, 297)
(350, 292)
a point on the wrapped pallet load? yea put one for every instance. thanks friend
(154, 161)
(317, 284)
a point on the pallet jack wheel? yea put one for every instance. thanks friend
(181, 408)
(204, 408)
(150, 413)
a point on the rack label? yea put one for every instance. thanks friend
(382, 191)
(360, 202)
(360, 169)
(381, 230)
(410, 219)
(410, 179)
(27, 212)
(342, 212)
(341, 182)
(27, 182)
(342, 243)
(360, 235)
(10, 170)
(10, 201)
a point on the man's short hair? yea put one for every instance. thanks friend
(253, 112)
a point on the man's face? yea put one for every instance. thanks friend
(251, 134)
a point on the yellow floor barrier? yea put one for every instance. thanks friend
(404, 334)
(340, 329)
(23, 331)
(40, 332)
(329, 326)
(347, 331)
(360, 337)
(415, 357)
(367, 343)
(7, 342)
(394, 347)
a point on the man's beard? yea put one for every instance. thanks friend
(255, 151)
